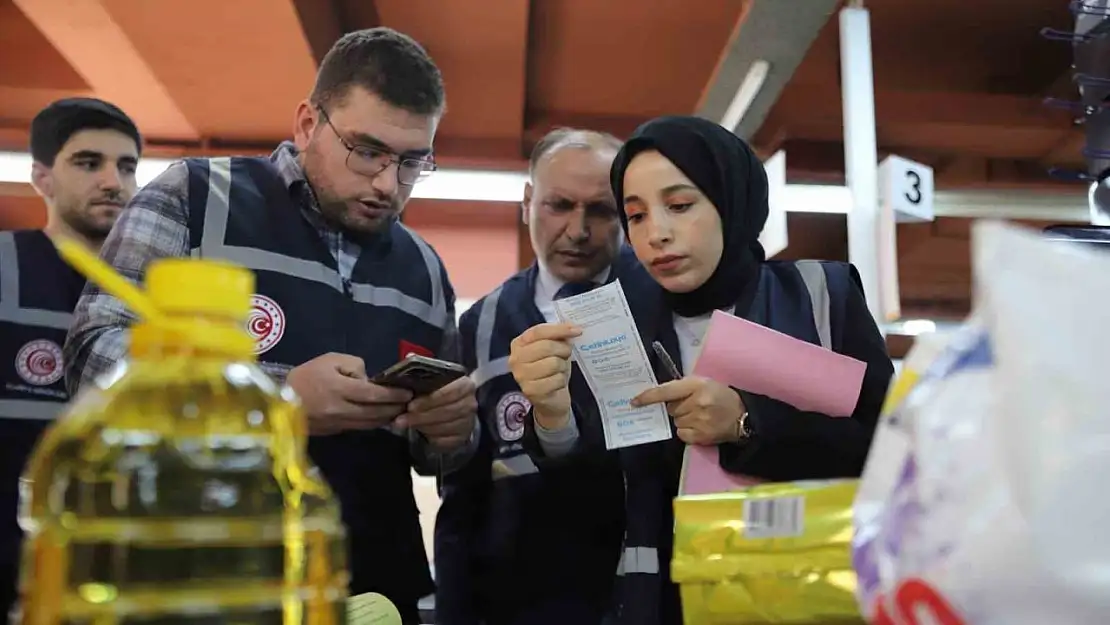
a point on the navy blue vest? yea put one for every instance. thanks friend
(514, 545)
(38, 292)
(803, 299)
(397, 300)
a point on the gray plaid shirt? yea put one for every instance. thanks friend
(156, 225)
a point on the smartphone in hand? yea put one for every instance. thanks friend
(420, 374)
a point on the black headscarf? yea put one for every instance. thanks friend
(731, 176)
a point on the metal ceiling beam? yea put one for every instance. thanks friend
(985, 125)
(778, 32)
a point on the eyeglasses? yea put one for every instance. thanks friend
(370, 161)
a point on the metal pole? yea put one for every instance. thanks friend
(1098, 205)
(861, 161)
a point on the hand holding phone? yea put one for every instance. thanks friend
(336, 395)
(445, 406)
(420, 375)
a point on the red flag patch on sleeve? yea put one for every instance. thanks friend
(412, 348)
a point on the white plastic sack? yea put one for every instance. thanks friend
(986, 497)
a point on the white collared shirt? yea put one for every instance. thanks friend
(547, 285)
(691, 337)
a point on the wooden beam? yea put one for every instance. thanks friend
(483, 56)
(730, 50)
(358, 14)
(321, 23)
(993, 126)
(16, 189)
(542, 122)
(1069, 149)
(822, 162)
(90, 38)
(20, 105)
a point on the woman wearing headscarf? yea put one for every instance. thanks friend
(695, 200)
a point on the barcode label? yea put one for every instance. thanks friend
(774, 518)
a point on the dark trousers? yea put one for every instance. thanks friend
(410, 615)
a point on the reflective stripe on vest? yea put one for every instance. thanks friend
(639, 560)
(30, 409)
(813, 274)
(10, 310)
(487, 369)
(513, 466)
(213, 245)
(645, 560)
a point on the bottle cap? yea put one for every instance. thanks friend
(190, 286)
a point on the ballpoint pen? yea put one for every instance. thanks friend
(665, 358)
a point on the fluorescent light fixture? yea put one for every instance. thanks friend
(508, 187)
(476, 185)
(917, 327)
(816, 198)
(746, 94)
(446, 184)
(16, 167)
(483, 186)
(775, 236)
(913, 327)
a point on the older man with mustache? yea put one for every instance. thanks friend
(511, 548)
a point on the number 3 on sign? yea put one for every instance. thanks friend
(914, 194)
(906, 188)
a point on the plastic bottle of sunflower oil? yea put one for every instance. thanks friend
(182, 492)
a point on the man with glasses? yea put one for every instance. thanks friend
(344, 290)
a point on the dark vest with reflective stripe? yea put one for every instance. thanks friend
(38, 292)
(241, 210)
(802, 299)
(515, 545)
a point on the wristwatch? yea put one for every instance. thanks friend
(743, 430)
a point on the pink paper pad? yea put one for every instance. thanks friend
(759, 360)
(704, 474)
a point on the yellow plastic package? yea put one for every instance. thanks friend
(181, 492)
(774, 553)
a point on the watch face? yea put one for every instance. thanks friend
(745, 426)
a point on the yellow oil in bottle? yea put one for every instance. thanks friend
(182, 492)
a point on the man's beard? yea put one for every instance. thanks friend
(337, 211)
(84, 222)
(342, 216)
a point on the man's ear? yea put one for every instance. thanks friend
(305, 120)
(42, 179)
(526, 203)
